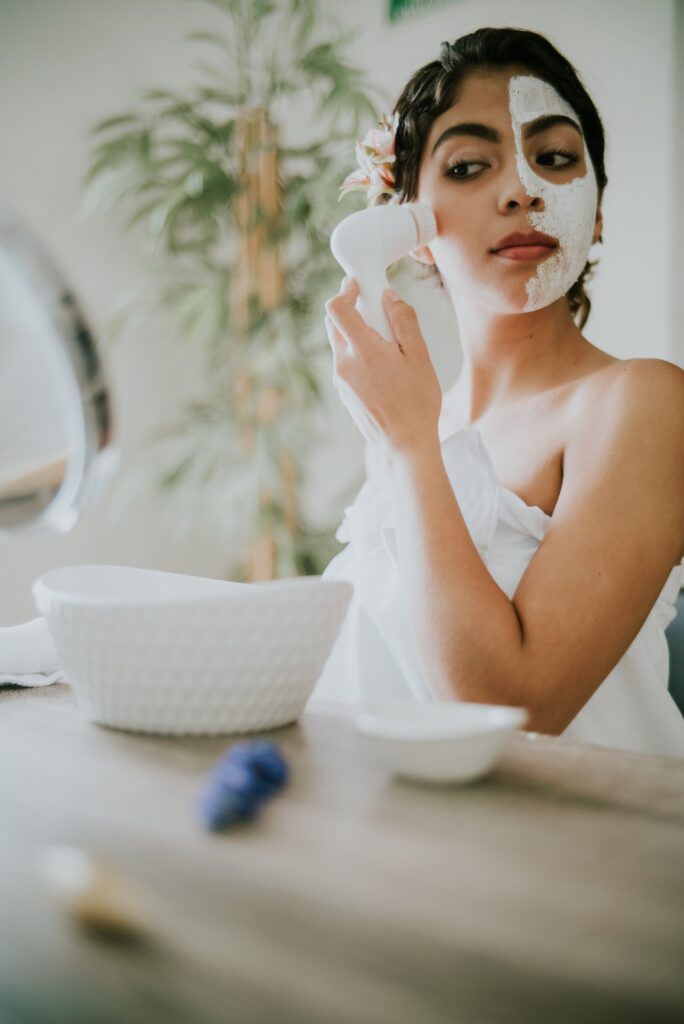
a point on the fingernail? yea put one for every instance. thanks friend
(392, 295)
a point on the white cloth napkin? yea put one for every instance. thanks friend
(28, 656)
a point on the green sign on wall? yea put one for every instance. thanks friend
(398, 8)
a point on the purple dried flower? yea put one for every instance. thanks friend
(244, 778)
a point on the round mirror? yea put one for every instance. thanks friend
(55, 413)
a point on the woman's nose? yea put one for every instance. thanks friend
(514, 196)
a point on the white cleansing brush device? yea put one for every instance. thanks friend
(366, 243)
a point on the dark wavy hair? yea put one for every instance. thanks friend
(436, 86)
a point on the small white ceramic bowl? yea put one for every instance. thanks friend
(166, 653)
(440, 741)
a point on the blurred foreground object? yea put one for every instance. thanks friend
(96, 894)
(241, 783)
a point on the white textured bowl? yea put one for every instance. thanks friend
(161, 652)
(445, 741)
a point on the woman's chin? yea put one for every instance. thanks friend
(507, 304)
(510, 300)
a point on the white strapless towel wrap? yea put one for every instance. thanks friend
(375, 657)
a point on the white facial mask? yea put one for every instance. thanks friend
(569, 212)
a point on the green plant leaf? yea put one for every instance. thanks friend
(110, 187)
(114, 122)
(261, 9)
(223, 42)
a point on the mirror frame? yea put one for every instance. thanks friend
(56, 509)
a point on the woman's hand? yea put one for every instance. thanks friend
(397, 392)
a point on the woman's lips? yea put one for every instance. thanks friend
(525, 252)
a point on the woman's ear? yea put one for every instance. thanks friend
(598, 227)
(423, 255)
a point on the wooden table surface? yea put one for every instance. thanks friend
(551, 891)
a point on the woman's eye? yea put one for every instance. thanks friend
(459, 170)
(547, 158)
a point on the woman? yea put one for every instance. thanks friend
(522, 544)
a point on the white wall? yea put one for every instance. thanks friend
(64, 64)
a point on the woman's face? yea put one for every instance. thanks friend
(509, 157)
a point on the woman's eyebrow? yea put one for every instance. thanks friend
(480, 131)
(484, 131)
(542, 123)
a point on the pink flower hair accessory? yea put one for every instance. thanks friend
(376, 157)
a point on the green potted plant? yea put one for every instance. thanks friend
(239, 215)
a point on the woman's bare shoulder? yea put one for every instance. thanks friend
(632, 391)
(628, 426)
